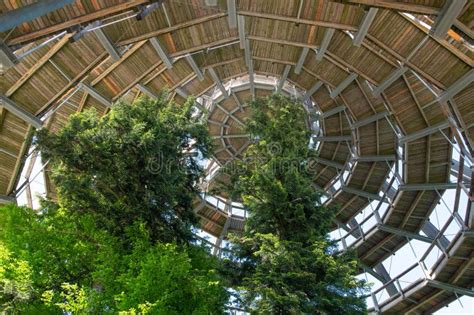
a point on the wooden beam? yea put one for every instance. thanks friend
(450, 288)
(427, 186)
(448, 46)
(181, 83)
(20, 160)
(314, 22)
(173, 28)
(251, 78)
(423, 132)
(374, 158)
(333, 111)
(195, 67)
(411, 209)
(18, 111)
(325, 43)
(368, 120)
(392, 77)
(418, 105)
(361, 193)
(330, 163)
(399, 6)
(9, 153)
(407, 63)
(107, 71)
(181, 92)
(231, 13)
(344, 65)
(7, 199)
(212, 45)
(156, 74)
(330, 57)
(218, 82)
(426, 301)
(364, 26)
(313, 89)
(221, 63)
(401, 232)
(107, 44)
(28, 74)
(7, 57)
(333, 138)
(148, 9)
(457, 86)
(376, 247)
(93, 92)
(137, 80)
(69, 85)
(280, 41)
(344, 84)
(75, 21)
(146, 91)
(282, 80)
(300, 63)
(446, 17)
(161, 53)
(2, 116)
(464, 28)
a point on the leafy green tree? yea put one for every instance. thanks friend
(283, 263)
(15, 280)
(61, 261)
(55, 246)
(118, 239)
(170, 279)
(135, 162)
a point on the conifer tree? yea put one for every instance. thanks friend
(284, 263)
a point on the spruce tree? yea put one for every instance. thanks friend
(284, 263)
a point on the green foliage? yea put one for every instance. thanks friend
(70, 299)
(118, 240)
(56, 247)
(135, 162)
(176, 281)
(275, 178)
(60, 261)
(291, 278)
(15, 279)
(283, 262)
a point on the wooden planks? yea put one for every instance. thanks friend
(27, 75)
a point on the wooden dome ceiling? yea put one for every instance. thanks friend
(393, 96)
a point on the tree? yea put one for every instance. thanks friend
(15, 280)
(119, 237)
(62, 261)
(135, 162)
(283, 262)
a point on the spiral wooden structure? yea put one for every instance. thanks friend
(391, 83)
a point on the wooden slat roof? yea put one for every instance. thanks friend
(45, 82)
